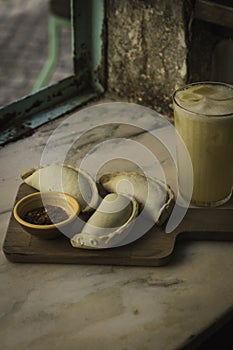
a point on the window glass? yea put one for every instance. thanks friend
(25, 44)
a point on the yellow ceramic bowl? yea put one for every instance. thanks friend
(40, 199)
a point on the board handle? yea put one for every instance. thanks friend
(206, 224)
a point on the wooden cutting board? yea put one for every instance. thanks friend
(155, 248)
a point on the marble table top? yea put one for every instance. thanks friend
(106, 307)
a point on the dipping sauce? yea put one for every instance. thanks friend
(46, 215)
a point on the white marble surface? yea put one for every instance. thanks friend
(104, 307)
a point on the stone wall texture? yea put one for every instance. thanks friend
(147, 49)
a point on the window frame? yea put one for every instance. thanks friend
(20, 118)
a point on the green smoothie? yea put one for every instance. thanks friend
(204, 120)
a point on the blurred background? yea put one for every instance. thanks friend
(149, 49)
(24, 47)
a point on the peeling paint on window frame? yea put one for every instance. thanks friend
(20, 118)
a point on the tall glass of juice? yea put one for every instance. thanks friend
(203, 114)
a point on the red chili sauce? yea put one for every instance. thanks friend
(46, 215)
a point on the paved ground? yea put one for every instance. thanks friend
(24, 47)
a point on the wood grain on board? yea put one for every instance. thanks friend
(155, 248)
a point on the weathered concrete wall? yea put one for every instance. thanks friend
(147, 49)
